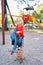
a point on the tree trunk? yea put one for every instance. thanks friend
(5, 15)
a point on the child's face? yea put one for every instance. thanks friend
(19, 22)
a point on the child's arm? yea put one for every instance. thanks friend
(19, 32)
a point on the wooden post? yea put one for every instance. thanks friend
(3, 30)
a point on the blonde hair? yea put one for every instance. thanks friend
(20, 20)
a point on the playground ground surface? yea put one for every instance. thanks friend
(33, 49)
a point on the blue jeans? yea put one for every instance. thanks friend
(18, 42)
(15, 44)
(14, 39)
(13, 35)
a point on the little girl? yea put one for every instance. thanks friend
(19, 35)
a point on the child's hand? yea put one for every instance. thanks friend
(18, 32)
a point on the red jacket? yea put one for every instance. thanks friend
(20, 28)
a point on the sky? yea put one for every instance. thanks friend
(16, 6)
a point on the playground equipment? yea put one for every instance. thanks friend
(3, 33)
(32, 19)
(19, 54)
(4, 18)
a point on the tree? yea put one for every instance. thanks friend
(5, 15)
(38, 16)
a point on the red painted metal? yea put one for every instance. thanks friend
(3, 31)
(25, 18)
